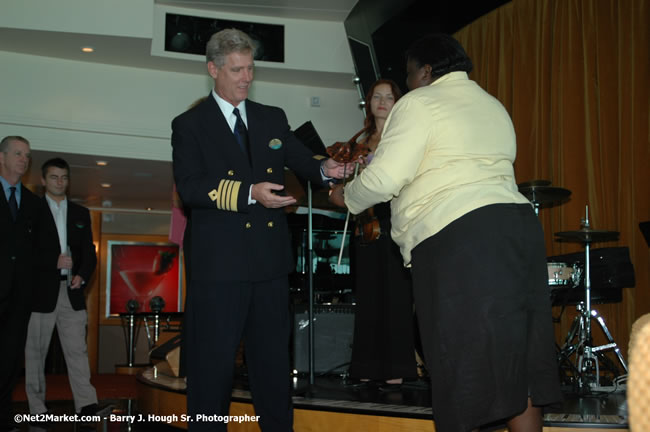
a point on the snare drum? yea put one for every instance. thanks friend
(559, 274)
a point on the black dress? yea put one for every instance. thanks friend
(383, 345)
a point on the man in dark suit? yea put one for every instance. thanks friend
(19, 209)
(66, 262)
(229, 155)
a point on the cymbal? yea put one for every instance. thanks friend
(588, 235)
(545, 194)
(534, 183)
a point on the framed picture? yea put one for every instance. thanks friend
(140, 271)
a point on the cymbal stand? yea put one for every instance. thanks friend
(536, 207)
(587, 361)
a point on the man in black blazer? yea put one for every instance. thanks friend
(66, 262)
(229, 155)
(19, 209)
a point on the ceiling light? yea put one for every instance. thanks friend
(149, 208)
(105, 185)
(87, 49)
(101, 163)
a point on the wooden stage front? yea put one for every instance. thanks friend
(331, 405)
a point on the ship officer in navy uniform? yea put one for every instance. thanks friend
(229, 155)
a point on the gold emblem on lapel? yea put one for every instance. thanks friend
(275, 144)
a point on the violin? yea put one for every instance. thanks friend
(351, 151)
(368, 225)
(368, 228)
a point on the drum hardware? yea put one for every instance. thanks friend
(541, 194)
(579, 340)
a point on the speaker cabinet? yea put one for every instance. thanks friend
(333, 331)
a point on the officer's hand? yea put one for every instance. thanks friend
(270, 195)
(337, 170)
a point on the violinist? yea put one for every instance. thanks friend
(383, 350)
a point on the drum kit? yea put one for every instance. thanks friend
(579, 341)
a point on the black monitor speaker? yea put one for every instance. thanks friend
(333, 330)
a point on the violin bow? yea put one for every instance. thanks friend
(347, 220)
(341, 146)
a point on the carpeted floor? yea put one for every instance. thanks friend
(108, 386)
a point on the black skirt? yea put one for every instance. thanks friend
(482, 300)
(383, 346)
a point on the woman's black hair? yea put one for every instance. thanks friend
(440, 51)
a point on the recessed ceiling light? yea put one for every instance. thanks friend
(101, 163)
(149, 208)
(105, 185)
(87, 49)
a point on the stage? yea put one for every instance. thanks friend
(336, 404)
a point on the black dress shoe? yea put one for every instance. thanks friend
(9, 427)
(44, 424)
(360, 384)
(89, 410)
(390, 387)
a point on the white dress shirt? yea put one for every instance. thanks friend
(60, 215)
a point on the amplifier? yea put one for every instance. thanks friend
(333, 332)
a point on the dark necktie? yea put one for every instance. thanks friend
(13, 204)
(241, 134)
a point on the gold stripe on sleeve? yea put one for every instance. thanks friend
(234, 195)
(227, 197)
(220, 194)
(226, 194)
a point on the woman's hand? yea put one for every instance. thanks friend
(336, 195)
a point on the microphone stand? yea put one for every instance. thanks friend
(308, 390)
(310, 314)
(310, 251)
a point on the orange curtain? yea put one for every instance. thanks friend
(574, 75)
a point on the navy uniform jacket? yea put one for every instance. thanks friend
(84, 259)
(17, 251)
(232, 240)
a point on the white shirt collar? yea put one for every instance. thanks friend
(58, 206)
(227, 110)
(452, 76)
